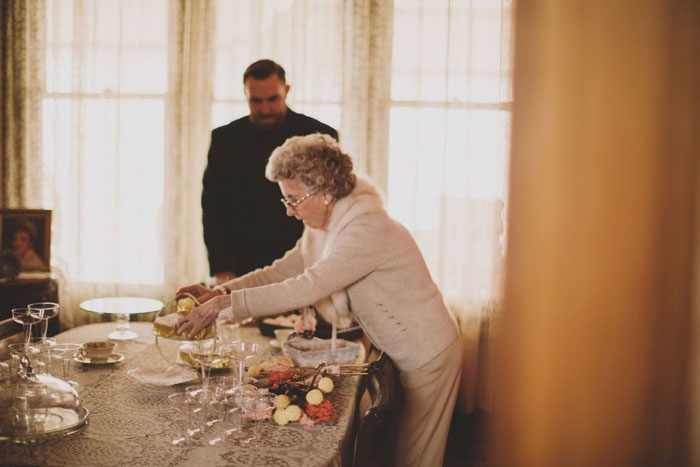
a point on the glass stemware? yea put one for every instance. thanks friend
(228, 330)
(230, 418)
(224, 386)
(182, 402)
(242, 351)
(206, 354)
(256, 408)
(44, 311)
(26, 319)
(66, 352)
(43, 355)
(205, 411)
(22, 348)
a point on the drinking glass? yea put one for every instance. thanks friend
(18, 349)
(181, 402)
(26, 319)
(44, 311)
(230, 417)
(224, 386)
(42, 342)
(256, 409)
(241, 351)
(232, 381)
(199, 393)
(65, 353)
(205, 400)
(228, 330)
(43, 355)
(206, 354)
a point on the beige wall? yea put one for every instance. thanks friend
(593, 367)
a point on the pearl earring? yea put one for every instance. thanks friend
(326, 201)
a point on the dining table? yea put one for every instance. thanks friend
(131, 422)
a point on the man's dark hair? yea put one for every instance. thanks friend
(263, 69)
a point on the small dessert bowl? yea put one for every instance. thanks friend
(97, 351)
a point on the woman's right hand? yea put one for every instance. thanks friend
(202, 316)
(196, 290)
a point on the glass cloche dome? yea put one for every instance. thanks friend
(34, 407)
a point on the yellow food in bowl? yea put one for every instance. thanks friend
(220, 361)
(166, 326)
(163, 330)
(184, 306)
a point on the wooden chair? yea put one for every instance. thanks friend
(372, 424)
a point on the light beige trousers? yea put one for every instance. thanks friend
(430, 393)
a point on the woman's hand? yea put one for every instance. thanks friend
(208, 296)
(202, 316)
(198, 291)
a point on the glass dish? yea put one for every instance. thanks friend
(36, 407)
(185, 356)
(310, 353)
(165, 323)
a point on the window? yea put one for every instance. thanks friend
(103, 117)
(305, 37)
(449, 129)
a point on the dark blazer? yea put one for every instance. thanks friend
(245, 224)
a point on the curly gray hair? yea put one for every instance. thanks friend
(317, 161)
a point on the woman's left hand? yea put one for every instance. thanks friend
(198, 291)
(202, 316)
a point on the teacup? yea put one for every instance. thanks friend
(97, 350)
(282, 334)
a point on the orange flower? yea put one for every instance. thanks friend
(277, 378)
(322, 412)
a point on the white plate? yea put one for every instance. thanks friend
(276, 344)
(164, 376)
(114, 358)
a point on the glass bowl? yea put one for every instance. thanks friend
(165, 323)
(310, 353)
(35, 407)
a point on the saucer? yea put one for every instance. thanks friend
(114, 358)
(276, 344)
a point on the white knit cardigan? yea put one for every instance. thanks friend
(364, 262)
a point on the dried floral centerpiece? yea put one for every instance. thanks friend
(300, 395)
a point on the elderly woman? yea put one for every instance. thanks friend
(352, 257)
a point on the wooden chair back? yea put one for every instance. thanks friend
(372, 424)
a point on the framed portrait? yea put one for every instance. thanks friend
(27, 232)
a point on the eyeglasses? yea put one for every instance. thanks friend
(294, 204)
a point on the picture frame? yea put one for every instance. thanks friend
(28, 233)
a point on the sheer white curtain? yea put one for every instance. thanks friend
(337, 56)
(129, 92)
(448, 139)
(119, 128)
(303, 36)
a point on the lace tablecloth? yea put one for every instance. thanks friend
(132, 424)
